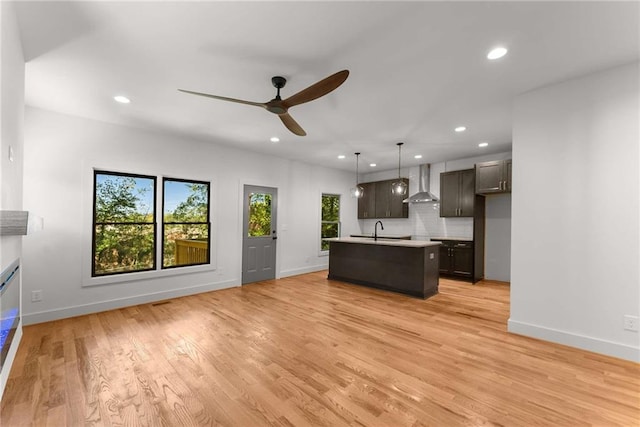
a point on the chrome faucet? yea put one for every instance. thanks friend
(375, 230)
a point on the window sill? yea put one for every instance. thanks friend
(145, 275)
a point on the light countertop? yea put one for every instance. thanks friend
(464, 239)
(384, 242)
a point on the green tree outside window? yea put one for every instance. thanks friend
(259, 214)
(124, 223)
(185, 223)
(330, 223)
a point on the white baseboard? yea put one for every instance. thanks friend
(11, 355)
(621, 351)
(79, 310)
(304, 270)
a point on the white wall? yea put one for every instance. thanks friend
(424, 220)
(575, 234)
(11, 125)
(60, 154)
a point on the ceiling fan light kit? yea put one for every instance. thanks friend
(281, 107)
(399, 187)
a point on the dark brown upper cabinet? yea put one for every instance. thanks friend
(493, 177)
(367, 203)
(379, 202)
(389, 205)
(457, 193)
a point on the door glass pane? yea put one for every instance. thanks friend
(259, 214)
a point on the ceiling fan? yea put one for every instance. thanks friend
(280, 107)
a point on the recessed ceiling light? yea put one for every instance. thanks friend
(341, 156)
(497, 52)
(460, 129)
(417, 156)
(373, 165)
(483, 144)
(274, 139)
(121, 99)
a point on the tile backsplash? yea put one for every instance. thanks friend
(423, 223)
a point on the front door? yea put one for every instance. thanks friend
(259, 234)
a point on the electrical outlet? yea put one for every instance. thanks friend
(631, 323)
(36, 296)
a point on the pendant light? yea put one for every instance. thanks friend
(358, 190)
(399, 187)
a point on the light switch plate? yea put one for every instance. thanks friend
(631, 323)
(36, 296)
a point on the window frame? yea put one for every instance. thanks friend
(322, 221)
(97, 172)
(207, 223)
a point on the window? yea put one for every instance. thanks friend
(259, 215)
(185, 223)
(330, 224)
(124, 226)
(124, 223)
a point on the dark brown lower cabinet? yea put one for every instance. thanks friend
(456, 258)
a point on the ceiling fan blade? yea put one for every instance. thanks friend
(291, 124)
(318, 89)
(224, 98)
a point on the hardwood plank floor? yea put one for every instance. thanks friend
(308, 351)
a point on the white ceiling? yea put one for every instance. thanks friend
(418, 69)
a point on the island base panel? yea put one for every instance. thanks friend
(412, 271)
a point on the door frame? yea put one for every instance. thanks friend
(240, 224)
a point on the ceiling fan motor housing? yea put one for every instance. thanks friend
(278, 82)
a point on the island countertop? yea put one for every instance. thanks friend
(461, 239)
(385, 242)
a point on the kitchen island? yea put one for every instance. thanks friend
(406, 266)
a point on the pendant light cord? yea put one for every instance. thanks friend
(399, 153)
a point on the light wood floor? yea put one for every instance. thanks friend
(307, 351)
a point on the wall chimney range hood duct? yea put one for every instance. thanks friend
(423, 195)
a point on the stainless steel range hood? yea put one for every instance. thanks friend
(423, 195)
